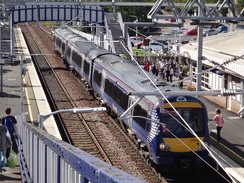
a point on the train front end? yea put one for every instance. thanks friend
(175, 144)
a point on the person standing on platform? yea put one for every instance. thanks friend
(147, 66)
(219, 122)
(181, 76)
(5, 143)
(11, 123)
(162, 68)
(153, 69)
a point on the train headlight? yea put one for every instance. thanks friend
(164, 147)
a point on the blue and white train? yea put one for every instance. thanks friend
(112, 79)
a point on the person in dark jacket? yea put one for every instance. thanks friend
(181, 76)
(11, 123)
(5, 143)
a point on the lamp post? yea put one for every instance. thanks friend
(136, 21)
(43, 117)
(1, 61)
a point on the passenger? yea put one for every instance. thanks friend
(157, 71)
(171, 73)
(162, 66)
(122, 55)
(219, 122)
(153, 69)
(181, 76)
(5, 142)
(11, 123)
(167, 72)
(147, 66)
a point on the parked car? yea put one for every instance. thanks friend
(222, 29)
(179, 30)
(172, 20)
(191, 32)
(209, 32)
(213, 26)
(135, 39)
(138, 45)
(151, 29)
(154, 46)
(166, 34)
(165, 43)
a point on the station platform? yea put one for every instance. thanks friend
(230, 151)
(29, 99)
(10, 97)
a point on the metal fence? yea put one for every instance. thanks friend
(44, 158)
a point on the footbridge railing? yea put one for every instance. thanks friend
(44, 158)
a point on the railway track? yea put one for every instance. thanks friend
(76, 130)
(95, 133)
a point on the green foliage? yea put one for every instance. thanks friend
(240, 4)
(141, 52)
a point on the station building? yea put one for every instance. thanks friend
(219, 49)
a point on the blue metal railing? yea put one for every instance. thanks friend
(44, 158)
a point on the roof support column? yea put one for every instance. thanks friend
(199, 46)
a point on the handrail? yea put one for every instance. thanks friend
(49, 158)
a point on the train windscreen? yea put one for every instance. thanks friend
(193, 116)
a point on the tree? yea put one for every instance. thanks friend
(240, 4)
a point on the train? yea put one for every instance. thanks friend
(160, 133)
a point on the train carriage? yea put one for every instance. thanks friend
(113, 78)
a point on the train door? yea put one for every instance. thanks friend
(82, 64)
(103, 82)
(130, 113)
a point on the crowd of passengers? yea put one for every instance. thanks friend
(167, 70)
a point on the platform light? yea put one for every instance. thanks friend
(43, 117)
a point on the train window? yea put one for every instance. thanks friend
(109, 86)
(124, 101)
(121, 98)
(139, 111)
(69, 51)
(86, 68)
(58, 42)
(63, 47)
(97, 77)
(76, 58)
(116, 94)
(193, 116)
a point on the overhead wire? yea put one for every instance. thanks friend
(188, 127)
(192, 131)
